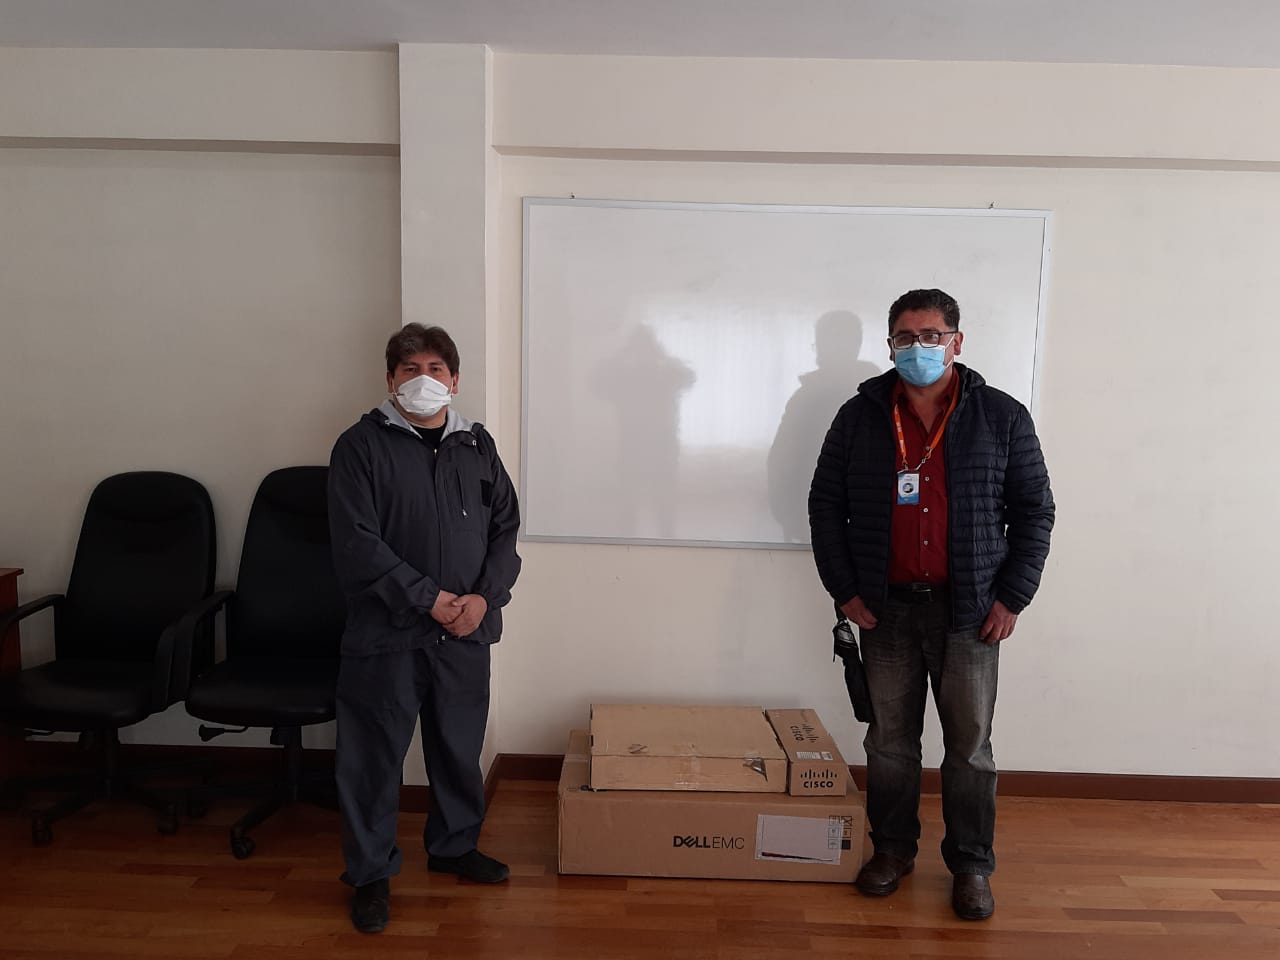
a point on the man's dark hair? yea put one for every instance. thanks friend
(415, 338)
(944, 303)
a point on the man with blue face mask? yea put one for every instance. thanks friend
(930, 514)
(423, 520)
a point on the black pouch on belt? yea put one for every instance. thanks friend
(855, 678)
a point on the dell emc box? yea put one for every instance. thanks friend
(683, 833)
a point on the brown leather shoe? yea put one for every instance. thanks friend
(971, 897)
(879, 876)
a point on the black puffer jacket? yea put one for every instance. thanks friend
(999, 506)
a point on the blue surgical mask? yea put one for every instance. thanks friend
(920, 365)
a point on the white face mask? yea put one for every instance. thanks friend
(423, 396)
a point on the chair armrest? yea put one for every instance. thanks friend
(12, 618)
(175, 650)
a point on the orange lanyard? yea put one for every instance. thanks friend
(933, 441)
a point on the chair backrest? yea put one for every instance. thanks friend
(287, 601)
(146, 555)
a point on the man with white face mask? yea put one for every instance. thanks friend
(423, 518)
(930, 513)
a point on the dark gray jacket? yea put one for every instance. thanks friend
(1000, 509)
(402, 532)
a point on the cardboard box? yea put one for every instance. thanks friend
(749, 836)
(653, 747)
(814, 765)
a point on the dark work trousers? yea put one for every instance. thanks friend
(911, 645)
(379, 698)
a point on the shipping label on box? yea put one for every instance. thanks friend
(802, 839)
(815, 767)
(657, 747)
(765, 836)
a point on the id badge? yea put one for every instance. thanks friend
(908, 488)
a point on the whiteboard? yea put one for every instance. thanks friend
(683, 361)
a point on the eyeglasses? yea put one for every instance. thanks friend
(901, 341)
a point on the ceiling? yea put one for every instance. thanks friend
(1240, 33)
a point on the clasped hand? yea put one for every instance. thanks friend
(459, 615)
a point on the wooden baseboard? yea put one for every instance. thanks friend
(45, 756)
(527, 766)
(506, 766)
(414, 798)
(1122, 786)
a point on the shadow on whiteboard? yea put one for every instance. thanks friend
(642, 385)
(838, 341)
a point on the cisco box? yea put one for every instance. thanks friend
(815, 767)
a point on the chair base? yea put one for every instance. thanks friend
(107, 782)
(320, 794)
(166, 809)
(292, 786)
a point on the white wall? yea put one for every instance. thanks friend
(448, 192)
(199, 266)
(215, 314)
(263, 96)
(450, 176)
(838, 109)
(1150, 648)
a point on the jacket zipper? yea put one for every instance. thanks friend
(440, 528)
(462, 498)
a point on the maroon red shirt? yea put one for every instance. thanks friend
(918, 531)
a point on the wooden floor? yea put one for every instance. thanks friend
(1114, 880)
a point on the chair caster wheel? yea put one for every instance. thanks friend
(41, 833)
(242, 847)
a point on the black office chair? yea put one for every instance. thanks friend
(284, 625)
(144, 559)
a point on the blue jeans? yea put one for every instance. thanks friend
(913, 644)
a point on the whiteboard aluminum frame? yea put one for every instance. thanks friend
(831, 209)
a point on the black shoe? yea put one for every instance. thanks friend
(879, 876)
(473, 866)
(371, 905)
(971, 897)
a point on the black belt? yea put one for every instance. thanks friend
(917, 592)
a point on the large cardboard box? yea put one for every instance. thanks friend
(815, 767)
(655, 747)
(749, 836)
